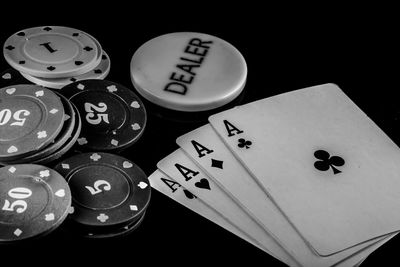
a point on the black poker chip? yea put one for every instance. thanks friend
(113, 116)
(96, 233)
(35, 200)
(109, 191)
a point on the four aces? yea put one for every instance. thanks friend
(295, 173)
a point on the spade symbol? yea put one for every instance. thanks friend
(327, 161)
(188, 194)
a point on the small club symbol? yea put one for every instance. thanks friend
(326, 161)
(244, 143)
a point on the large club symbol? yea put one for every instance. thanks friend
(326, 161)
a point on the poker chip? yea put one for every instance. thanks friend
(66, 146)
(12, 77)
(30, 117)
(109, 192)
(99, 72)
(35, 201)
(113, 117)
(60, 140)
(110, 233)
(188, 71)
(52, 52)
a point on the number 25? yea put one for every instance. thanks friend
(96, 119)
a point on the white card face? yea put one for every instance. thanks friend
(208, 151)
(185, 172)
(169, 187)
(329, 168)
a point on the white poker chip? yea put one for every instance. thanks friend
(100, 72)
(52, 52)
(188, 71)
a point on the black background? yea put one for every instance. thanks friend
(284, 51)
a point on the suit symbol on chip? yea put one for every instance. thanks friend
(7, 76)
(327, 161)
(39, 93)
(12, 149)
(49, 217)
(95, 157)
(112, 88)
(142, 185)
(82, 141)
(135, 104)
(41, 134)
(102, 217)
(135, 127)
(45, 173)
(127, 164)
(10, 91)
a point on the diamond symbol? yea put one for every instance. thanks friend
(114, 142)
(133, 207)
(80, 86)
(12, 169)
(65, 166)
(51, 68)
(54, 111)
(102, 217)
(142, 185)
(17, 232)
(217, 163)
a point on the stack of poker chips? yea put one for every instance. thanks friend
(54, 56)
(36, 201)
(111, 194)
(104, 196)
(37, 125)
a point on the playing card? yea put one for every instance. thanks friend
(206, 149)
(169, 187)
(186, 173)
(359, 258)
(329, 168)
